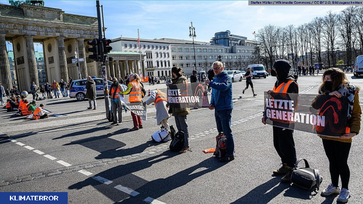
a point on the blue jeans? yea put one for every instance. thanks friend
(223, 121)
(56, 95)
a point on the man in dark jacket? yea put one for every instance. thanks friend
(221, 102)
(91, 93)
(283, 137)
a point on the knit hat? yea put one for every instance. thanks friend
(282, 68)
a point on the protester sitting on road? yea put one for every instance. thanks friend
(160, 99)
(32, 106)
(24, 108)
(10, 105)
(39, 113)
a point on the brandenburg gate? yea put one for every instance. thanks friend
(62, 35)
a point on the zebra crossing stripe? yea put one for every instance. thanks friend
(127, 190)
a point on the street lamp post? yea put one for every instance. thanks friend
(192, 34)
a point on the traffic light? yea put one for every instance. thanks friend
(94, 49)
(106, 46)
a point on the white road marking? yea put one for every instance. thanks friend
(127, 190)
(20, 144)
(64, 163)
(38, 152)
(102, 180)
(50, 157)
(29, 147)
(153, 201)
(84, 172)
(13, 140)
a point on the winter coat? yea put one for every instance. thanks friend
(161, 110)
(222, 92)
(91, 89)
(179, 111)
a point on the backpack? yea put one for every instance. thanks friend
(221, 146)
(306, 178)
(177, 142)
(161, 135)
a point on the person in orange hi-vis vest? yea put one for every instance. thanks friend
(24, 107)
(39, 113)
(116, 107)
(160, 99)
(283, 138)
(134, 90)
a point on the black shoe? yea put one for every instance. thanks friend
(254, 95)
(141, 127)
(133, 129)
(227, 158)
(287, 177)
(282, 170)
(114, 123)
(243, 92)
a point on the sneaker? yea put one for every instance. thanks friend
(287, 177)
(282, 170)
(95, 109)
(114, 123)
(243, 92)
(133, 129)
(330, 190)
(254, 95)
(89, 108)
(141, 127)
(227, 158)
(344, 195)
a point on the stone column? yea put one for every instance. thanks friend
(111, 69)
(4, 64)
(82, 54)
(117, 69)
(32, 62)
(62, 59)
(127, 68)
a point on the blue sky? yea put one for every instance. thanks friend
(171, 19)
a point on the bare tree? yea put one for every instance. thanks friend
(345, 29)
(268, 36)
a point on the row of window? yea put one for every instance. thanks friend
(200, 57)
(161, 64)
(143, 46)
(149, 55)
(209, 50)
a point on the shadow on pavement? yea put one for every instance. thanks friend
(123, 175)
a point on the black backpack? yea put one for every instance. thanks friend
(177, 142)
(306, 177)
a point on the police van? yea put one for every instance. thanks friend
(78, 89)
(358, 66)
(258, 70)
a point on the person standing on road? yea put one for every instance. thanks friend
(134, 88)
(115, 90)
(248, 77)
(91, 93)
(2, 94)
(33, 90)
(48, 90)
(55, 87)
(180, 113)
(337, 149)
(221, 102)
(283, 138)
(62, 85)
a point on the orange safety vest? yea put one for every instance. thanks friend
(113, 90)
(135, 93)
(160, 96)
(20, 105)
(8, 105)
(282, 88)
(24, 109)
(36, 113)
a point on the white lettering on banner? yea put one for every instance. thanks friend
(280, 104)
(184, 99)
(174, 92)
(296, 117)
(34, 198)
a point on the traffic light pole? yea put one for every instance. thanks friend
(103, 61)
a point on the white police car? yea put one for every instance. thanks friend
(78, 88)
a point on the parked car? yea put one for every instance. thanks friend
(78, 88)
(236, 75)
(258, 70)
(358, 66)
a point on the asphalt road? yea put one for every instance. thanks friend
(81, 153)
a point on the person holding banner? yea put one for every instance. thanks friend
(283, 137)
(337, 148)
(180, 111)
(221, 102)
(134, 89)
(116, 106)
